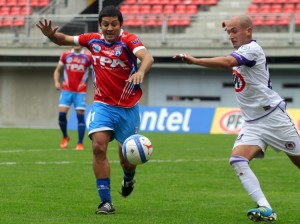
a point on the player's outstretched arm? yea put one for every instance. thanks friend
(50, 32)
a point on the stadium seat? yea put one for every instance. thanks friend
(145, 9)
(129, 2)
(2, 2)
(268, 2)
(258, 2)
(173, 20)
(297, 9)
(191, 9)
(188, 2)
(43, 3)
(175, 2)
(271, 21)
(288, 8)
(180, 9)
(151, 21)
(199, 2)
(19, 21)
(264, 9)
(11, 3)
(5, 11)
(8, 21)
(297, 20)
(293, 1)
(149, 2)
(134, 9)
(15, 10)
(253, 9)
(279, 1)
(34, 3)
(276, 8)
(124, 9)
(22, 2)
(169, 9)
(185, 21)
(211, 2)
(26, 11)
(258, 21)
(133, 21)
(284, 20)
(157, 9)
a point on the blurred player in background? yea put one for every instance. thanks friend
(117, 79)
(74, 64)
(263, 110)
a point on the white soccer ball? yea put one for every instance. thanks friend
(137, 149)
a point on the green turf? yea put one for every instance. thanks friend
(187, 181)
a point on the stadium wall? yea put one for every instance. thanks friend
(28, 98)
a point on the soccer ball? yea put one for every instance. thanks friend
(137, 149)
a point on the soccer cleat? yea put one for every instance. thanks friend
(64, 142)
(105, 208)
(127, 187)
(79, 146)
(262, 214)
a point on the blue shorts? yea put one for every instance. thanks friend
(122, 121)
(67, 98)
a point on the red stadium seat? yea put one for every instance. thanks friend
(180, 9)
(22, 2)
(134, 9)
(253, 9)
(19, 21)
(258, 21)
(34, 3)
(151, 21)
(8, 21)
(297, 9)
(293, 1)
(211, 2)
(258, 1)
(185, 21)
(157, 9)
(288, 8)
(199, 2)
(124, 9)
(11, 3)
(26, 11)
(2, 2)
(268, 2)
(297, 20)
(169, 9)
(145, 9)
(279, 1)
(265, 9)
(188, 2)
(191, 9)
(175, 2)
(271, 21)
(276, 8)
(129, 2)
(284, 20)
(149, 2)
(15, 10)
(43, 3)
(5, 11)
(173, 20)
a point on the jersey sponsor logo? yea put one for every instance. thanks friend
(69, 60)
(136, 41)
(231, 122)
(239, 82)
(113, 63)
(75, 67)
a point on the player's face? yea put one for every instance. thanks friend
(111, 28)
(237, 34)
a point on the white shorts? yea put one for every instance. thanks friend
(276, 130)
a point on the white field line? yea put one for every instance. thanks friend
(112, 161)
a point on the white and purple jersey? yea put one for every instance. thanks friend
(253, 87)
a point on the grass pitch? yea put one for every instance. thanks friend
(187, 180)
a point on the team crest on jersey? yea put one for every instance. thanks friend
(69, 60)
(96, 48)
(118, 51)
(239, 82)
(290, 145)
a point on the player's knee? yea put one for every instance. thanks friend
(239, 164)
(99, 149)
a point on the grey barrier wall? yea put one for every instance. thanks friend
(28, 97)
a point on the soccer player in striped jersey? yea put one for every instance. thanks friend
(74, 64)
(117, 79)
(263, 110)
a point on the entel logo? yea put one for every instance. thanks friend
(165, 121)
(231, 122)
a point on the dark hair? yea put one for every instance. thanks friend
(110, 11)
